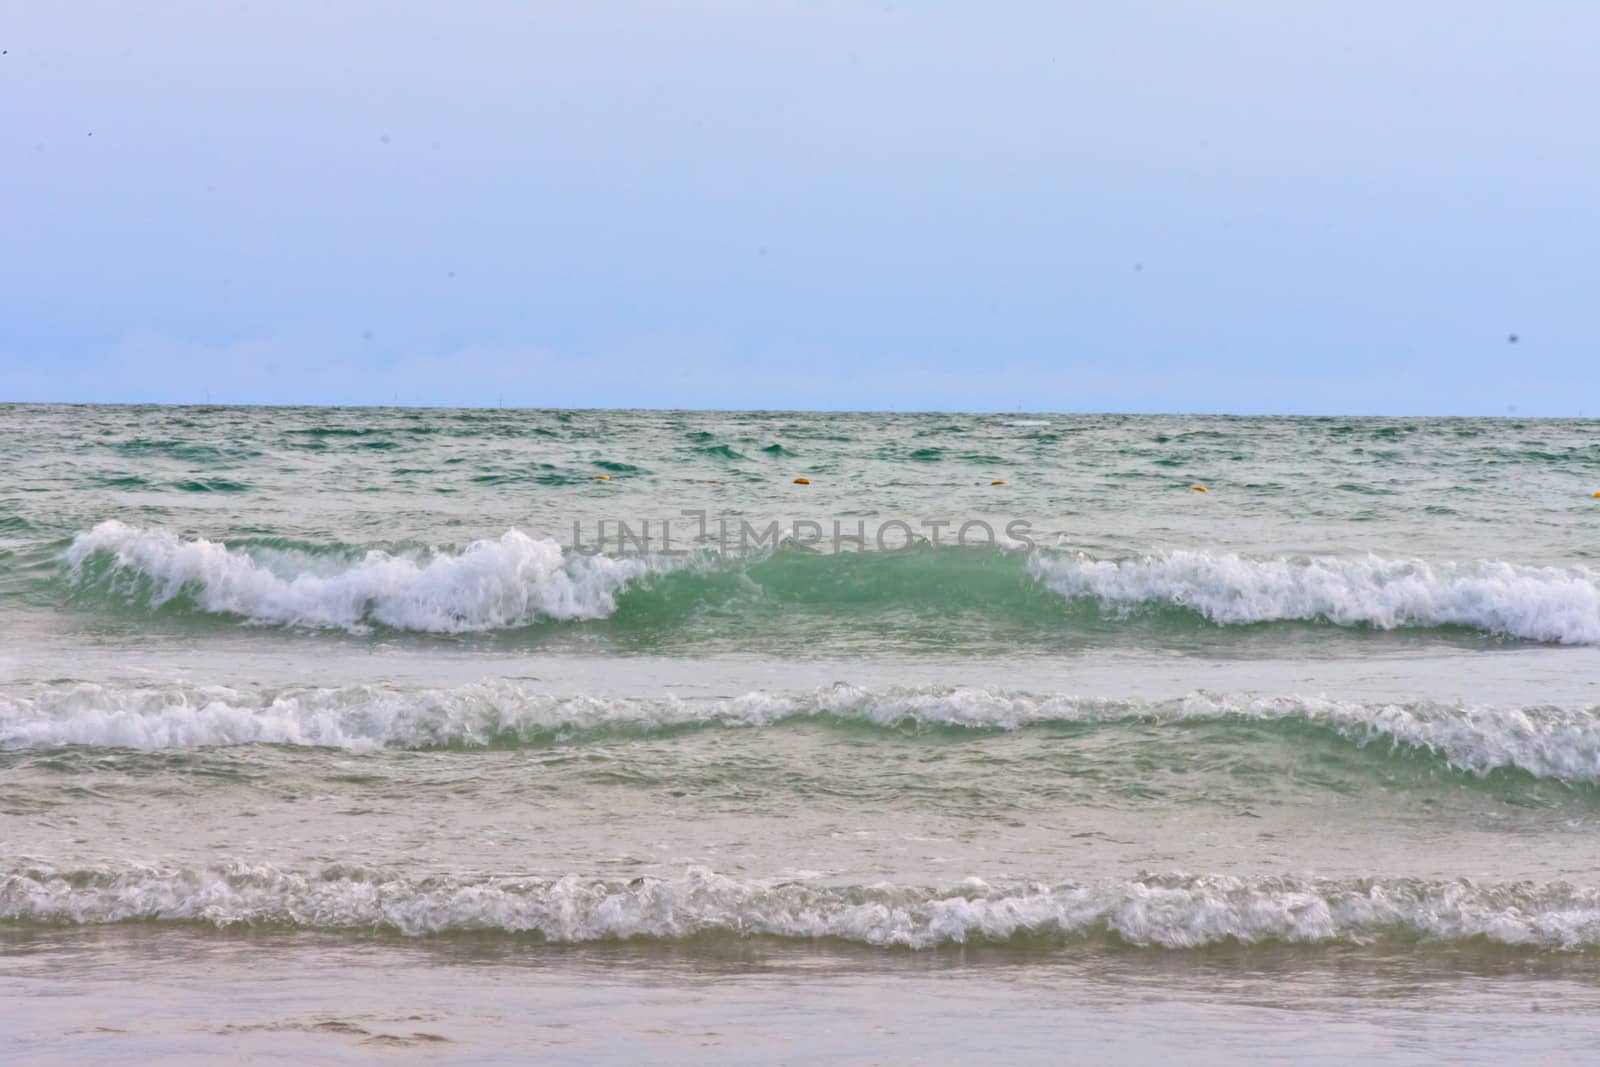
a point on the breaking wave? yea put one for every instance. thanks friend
(517, 580)
(1546, 742)
(1536, 603)
(1168, 911)
(489, 585)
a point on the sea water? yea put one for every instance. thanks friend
(333, 734)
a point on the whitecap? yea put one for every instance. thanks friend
(1546, 741)
(491, 584)
(1177, 911)
(1560, 605)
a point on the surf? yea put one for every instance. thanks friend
(520, 580)
(1543, 742)
(1153, 911)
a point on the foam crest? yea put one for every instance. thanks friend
(1168, 911)
(1536, 603)
(354, 717)
(1547, 742)
(489, 585)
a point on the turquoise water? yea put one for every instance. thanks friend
(351, 674)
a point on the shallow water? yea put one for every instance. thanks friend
(297, 996)
(1307, 763)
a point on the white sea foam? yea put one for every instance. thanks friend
(1172, 911)
(489, 585)
(1548, 742)
(1537, 603)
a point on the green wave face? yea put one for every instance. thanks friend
(894, 589)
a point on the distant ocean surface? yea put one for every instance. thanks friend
(596, 734)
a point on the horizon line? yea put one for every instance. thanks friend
(335, 406)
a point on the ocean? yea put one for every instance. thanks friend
(336, 735)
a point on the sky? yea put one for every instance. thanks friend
(1345, 207)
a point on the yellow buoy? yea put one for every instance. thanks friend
(1200, 489)
(602, 477)
(802, 481)
(997, 483)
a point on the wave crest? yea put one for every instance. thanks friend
(489, 585)
(1546, 742)
(1168, 911)
(517, 580)
(1534, 603)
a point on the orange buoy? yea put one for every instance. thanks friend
(602, 477)
(997, 483)
(802, 481)
(1597, 496)
(1200, 489)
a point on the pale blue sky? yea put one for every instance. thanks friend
(1179, 206)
